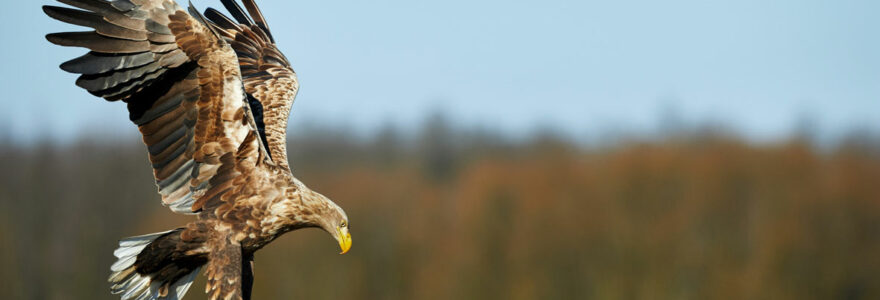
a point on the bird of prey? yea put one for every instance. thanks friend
(211, 96)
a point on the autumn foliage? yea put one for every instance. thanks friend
(450, 214)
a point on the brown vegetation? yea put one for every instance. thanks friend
(456, 215)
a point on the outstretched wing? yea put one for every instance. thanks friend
(269, 80)
(183, 89)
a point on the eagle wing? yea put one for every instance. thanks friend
(183, 89)
(269, 80)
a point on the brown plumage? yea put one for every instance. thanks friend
(211, 97)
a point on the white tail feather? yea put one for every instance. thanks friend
(125, 279)
(181, 286)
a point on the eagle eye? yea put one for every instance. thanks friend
(343, 224)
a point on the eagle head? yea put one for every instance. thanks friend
(335, 221)
(316, 210)
(307, 208)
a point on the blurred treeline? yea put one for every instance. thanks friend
(467, 214)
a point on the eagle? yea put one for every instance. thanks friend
(211, 96)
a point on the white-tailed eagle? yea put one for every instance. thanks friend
(211, 96)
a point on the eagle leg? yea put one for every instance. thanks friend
(224, 270)
(247, 275)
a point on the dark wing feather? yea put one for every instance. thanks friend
(97, 63)
(236, 12)
(183, 88)
(257, 15)
(96, 21)
(267, 75)
(97, 42)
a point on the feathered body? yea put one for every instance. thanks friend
(211, 97)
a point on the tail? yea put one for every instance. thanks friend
(154, 266)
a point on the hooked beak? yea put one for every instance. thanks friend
(344, 238)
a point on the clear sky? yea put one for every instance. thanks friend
(580, 66)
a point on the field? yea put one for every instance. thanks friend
(465, 214)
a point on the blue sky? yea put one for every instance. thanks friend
(583, 67)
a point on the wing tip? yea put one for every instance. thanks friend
(48, 8)
(56, 38)
(237, 12)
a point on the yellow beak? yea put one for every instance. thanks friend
(344, 239)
